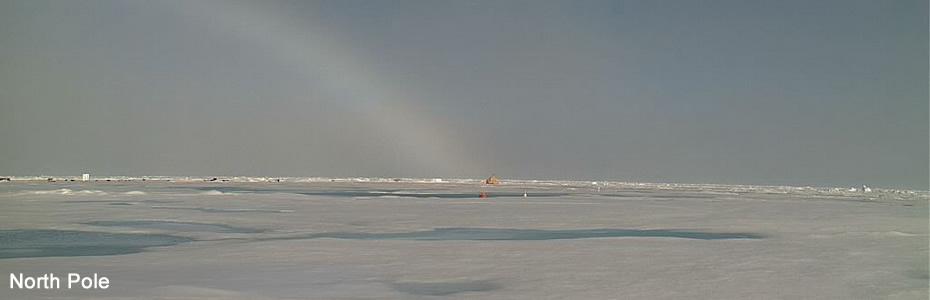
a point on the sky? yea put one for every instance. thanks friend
(823, 93)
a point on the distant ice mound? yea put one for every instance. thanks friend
(863, 189)
(68, 192)
(215, 193)
(135, 193)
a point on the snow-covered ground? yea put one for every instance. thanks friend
(360, 238)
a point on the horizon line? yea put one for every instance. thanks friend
(378, 179)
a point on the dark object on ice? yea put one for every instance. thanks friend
(492, 180)
(5, 179)
(213, 179)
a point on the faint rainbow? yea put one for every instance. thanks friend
(385, 108)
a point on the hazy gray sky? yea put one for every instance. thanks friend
(758, 92)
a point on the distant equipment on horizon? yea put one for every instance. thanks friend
(492, 180)
(85, 177)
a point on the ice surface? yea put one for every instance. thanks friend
(174, 226)
(504, 234)
(368, 238)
